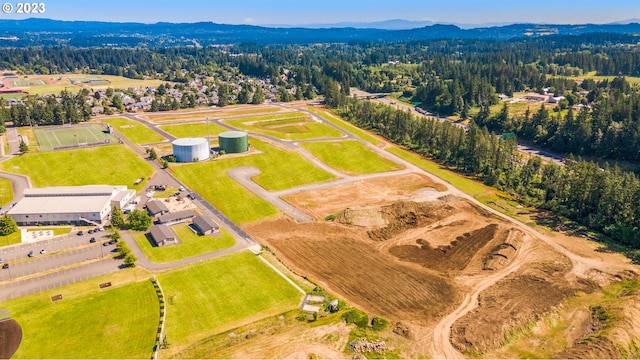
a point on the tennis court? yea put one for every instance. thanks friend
(67, 137)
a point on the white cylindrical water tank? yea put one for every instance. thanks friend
(191, 149)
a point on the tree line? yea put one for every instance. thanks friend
(604, 199)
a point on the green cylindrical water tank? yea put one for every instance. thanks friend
(233, 142)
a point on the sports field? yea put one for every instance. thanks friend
(350, 156)
(67, 137)
(111, 165)
(135, 131)
(190, 245)
(286, 126)
(114, 323)
(281, 169)
(221, 294)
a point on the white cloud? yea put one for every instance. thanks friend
(249, 20)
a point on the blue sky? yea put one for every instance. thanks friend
(260, 12)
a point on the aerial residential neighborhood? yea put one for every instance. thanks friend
(257, 181)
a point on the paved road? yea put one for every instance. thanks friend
(12, 140)
(18, 184)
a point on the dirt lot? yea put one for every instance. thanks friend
(405, 250)
(10, 338)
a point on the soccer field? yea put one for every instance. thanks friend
(68, 137)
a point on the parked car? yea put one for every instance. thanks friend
(112, 241)
(43, 251)
(92, 240)
(5, 266)
(106, 243)
(0, 261)
(90, 231)
(101, 228)
(80, 233)
(96, 230)
(30, 254)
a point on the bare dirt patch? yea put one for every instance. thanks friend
(372, 192)
(342, 260)
(10, 338)
(514, 301)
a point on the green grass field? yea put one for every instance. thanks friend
(135, 131)
(361, 134)
(116, 323)
(280, 170)
(110, 165)
(193, 129)
(211, 297)
(350, 157)
(211, 113)
(286, 126)
(52, 137)
(112, 81)
(6, 192)
(191, 245)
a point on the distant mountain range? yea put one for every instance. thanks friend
(37, 32)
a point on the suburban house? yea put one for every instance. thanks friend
(537, 97)
(205, 225)
(162, 235)
(175, 218)
(155, 207)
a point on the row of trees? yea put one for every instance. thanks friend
(606, 199)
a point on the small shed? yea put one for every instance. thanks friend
(205, 225)
(155, 207)
(163, 235)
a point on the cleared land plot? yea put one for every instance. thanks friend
(191, 244)
(330, 200)
(281, 169)
(211, 297)
(62, 82)
(200, 129)
(286, 126)
(60, 137)
(6, 192)
(218, 113)
(135, 131)
(111, 165)
(350, 157)
(114, 323)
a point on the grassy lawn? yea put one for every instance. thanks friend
(116, 323)
(6, 191)
(135, 131)
(217, 113)
(211, 297)
(361, 134)
(111, 165)
(115, 82)
(281, 169)
(286, 126)
(191, 245)
(30, 135)
(193, 129)
(350, 156)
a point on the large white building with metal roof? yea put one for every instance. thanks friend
(57, 205)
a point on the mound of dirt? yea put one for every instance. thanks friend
(10, 338)
(511, 303)
(455, 256)
(406, 215)
(365, 217)
(500, 255)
